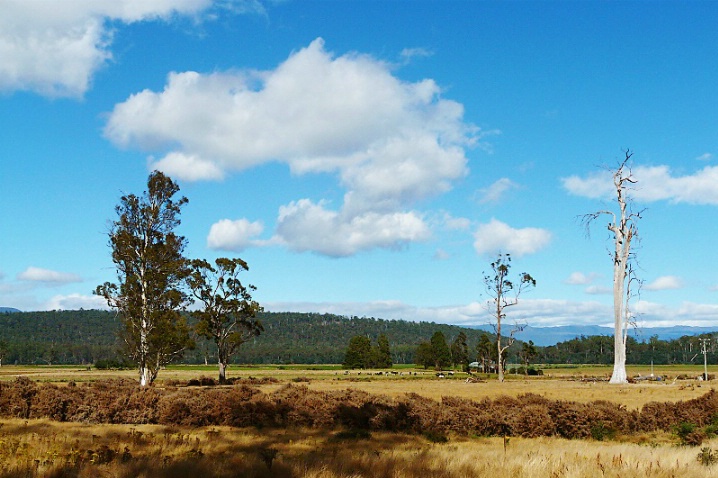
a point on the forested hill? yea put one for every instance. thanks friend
(85, 336)
(323, 338)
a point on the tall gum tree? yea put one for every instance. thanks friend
(504, 293)
(151, 269)
(625, 233)
(228, 314)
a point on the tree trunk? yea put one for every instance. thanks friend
(145, 375)
(620, 300)
(222, 372)
(499, 364)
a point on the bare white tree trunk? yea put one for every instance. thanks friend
(499, 364)
(624, 230)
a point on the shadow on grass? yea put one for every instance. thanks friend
(58, 450)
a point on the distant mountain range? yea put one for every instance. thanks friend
(545, 336)
(8, 309)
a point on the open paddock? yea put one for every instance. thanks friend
(576, 383)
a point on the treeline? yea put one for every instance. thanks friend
(599, 350)
(87, 336)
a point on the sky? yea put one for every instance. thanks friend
(367, 158)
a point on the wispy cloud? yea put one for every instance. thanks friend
(579, 278)
(665, 283)
(408, 54)
(654, 183)
(496, 192)
(37, 274)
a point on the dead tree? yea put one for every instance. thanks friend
(625, 234)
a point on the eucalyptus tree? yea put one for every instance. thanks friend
(460, 352)
(227, 313)
(485, 352)
(440, 350)
(504, 293)
(623, 227)
(358, 354)
(151, 270)
(382, 353)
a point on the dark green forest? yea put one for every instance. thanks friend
(88, 336)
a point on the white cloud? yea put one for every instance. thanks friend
(598, 290)
(446, 220)
(55, 49)
(187, 167)
(389, 143)
(579, 278)
(496, 236)
(534, 312)
(307, 226)
(665, 283)
(495, 192)
(705, 157)
(234, 235)
(75, 301)
(654, 183)
(36, 274)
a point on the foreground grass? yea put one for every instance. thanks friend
(40, 448)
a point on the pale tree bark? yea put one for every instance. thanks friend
(504, 293)
(624, 230)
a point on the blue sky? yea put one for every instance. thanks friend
(366, 158)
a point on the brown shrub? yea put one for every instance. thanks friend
(16, 397)
(531, 421)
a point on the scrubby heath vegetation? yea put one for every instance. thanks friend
(115, 428)
(296, 405)
(89, 336)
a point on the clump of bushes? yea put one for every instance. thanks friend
(244, 405)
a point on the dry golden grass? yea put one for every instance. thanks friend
(48, 449)
(572, 383)
(633, 396)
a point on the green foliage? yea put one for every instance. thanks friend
(689, 434)
(424, 355)
(85, 336)
(151, 268)
(600, 431)
(228, 313)
(382, 353)
(707, 456)
(440, 350)
(358, 353)
(528, 354)
(460, 352)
